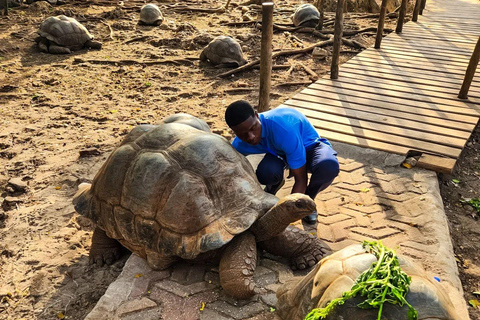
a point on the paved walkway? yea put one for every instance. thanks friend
(373, 198)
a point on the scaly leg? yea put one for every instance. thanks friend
(303, 249)
(237, 266)
(104, 249)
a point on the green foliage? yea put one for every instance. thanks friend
(383, 282)
(473, 202)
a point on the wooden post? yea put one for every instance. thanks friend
(322, 14)
(422, 6)
(5, 7)
(337, 39)
(472, 66)
(266, 56)
(401, 16)
(381, 23)
(416, 10)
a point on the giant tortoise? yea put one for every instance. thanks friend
(63, 34)
(177, 191)
(337, 273)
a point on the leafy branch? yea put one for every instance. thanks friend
(383, 282)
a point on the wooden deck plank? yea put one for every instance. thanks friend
(402, 82)
(404, 96)
(443, 118)
(394, 92)
(380, 69)
(421, 67)
(392, 139)
(414, 93)
(385, 116)
(419, 64)
(306, 109)
(386, 53)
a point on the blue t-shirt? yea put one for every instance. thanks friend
(285, 133)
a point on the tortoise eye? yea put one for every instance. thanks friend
(300, 204)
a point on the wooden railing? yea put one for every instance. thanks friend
(472, 66)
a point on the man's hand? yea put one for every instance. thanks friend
(301, 179)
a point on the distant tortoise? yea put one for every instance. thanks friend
(150, 14)
(224, 51)
(62, 34)
(337, 273)
(176, 191)
(306, 15)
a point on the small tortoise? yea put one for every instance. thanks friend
(151, 15)
(306, 15)
(62, 34)
(176, 191)
(337, 273)
(224, 51)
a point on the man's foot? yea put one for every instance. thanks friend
(273, 189)
(311, 218)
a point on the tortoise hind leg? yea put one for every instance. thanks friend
(303, 249)
(237, 266)
(53, 48)
(104, 249)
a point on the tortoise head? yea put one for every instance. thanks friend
(297, 204)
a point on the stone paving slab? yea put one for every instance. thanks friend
(372, 199)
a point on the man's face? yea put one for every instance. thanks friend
(250, 130)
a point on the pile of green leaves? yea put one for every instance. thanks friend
(383, 282)
(475, 203)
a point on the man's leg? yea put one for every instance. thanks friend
(322, 162)
(270, 173)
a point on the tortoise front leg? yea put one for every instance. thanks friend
(104, 249)
(237, 266)
(303, 249)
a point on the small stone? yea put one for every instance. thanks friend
(319, 53)
(17, 184)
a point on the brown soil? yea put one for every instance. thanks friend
(53, 108)
(464, 219)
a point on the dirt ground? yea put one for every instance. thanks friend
(60, 118)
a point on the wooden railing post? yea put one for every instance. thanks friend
(337, 39)
(266, 57)
(416, 11)
(5, 7)
(381, 23)
(422, 6)
(472, 66)
(401, 16)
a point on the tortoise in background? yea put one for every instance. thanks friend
(337, 273)
(176, 191)
(151, 15)
(306, 15)
(63, 34)
(223, 51)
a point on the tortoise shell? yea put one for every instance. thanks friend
(337, 273)
(306, 15)
(150, 14)
(175, 190)
(223, 50)
(65, 31)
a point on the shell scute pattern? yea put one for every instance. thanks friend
(306, 15)
(65, 31)
(223, 50)
(173, 172)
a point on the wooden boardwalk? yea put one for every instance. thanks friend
(404, 96)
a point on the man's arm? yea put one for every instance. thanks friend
(301, 179)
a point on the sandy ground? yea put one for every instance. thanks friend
(60, 119)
